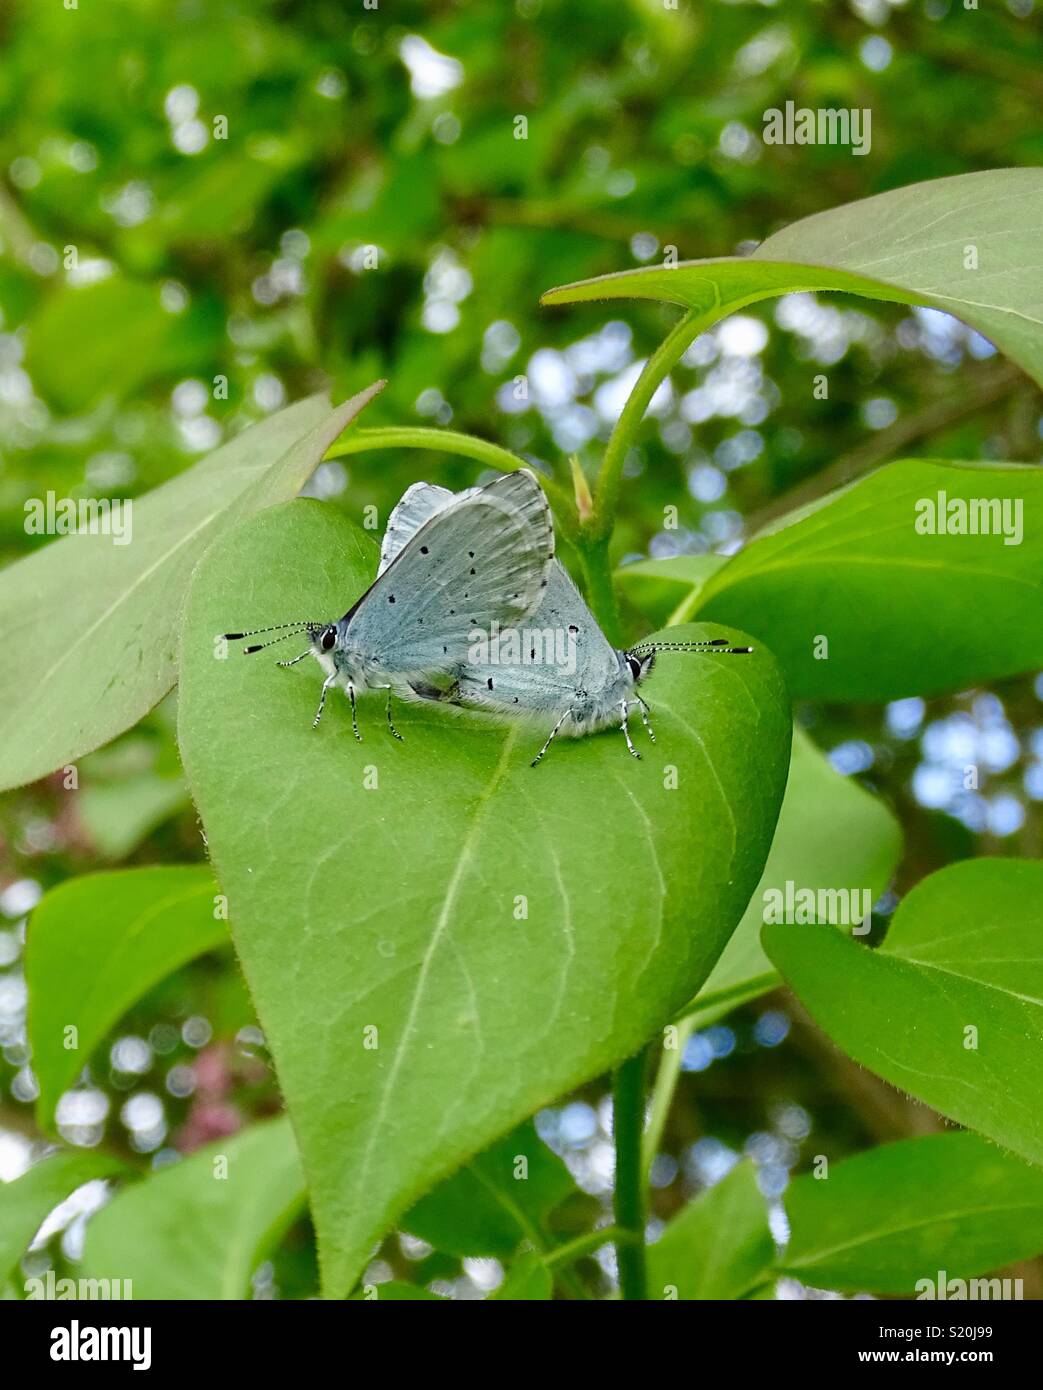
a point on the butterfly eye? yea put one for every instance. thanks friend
(635, 666)
(329, 639)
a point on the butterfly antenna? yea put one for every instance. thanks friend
(716, 646)
(277, 627)
(292, 630)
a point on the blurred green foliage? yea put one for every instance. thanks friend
(233, 257)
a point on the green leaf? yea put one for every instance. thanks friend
(909, 245)
(904, 613)
(27, 1202)
(188, 1232)
(120, 814)
(950, 1007)
(392, 906)
(220, 199)
(494, 1201)
(528, 1280)
(657, 587)
(719, 1246)
(95, 945)
(901, 1213)
(90, 626)
(831, 834)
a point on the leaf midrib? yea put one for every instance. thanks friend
(928, 966)
(455, 879)
(904, 1228)
(89, 632)
(890, 564)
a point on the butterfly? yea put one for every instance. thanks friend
(560, 667)
(479, 559)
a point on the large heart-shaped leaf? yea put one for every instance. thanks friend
(950, 1007)
(886, 1219)
(199, 1228)
(861, 603)
(831, 834)
(719, 1246)
(90, 625)
(94, 946)
(439, 938)
(968, 245)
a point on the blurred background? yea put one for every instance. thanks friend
(209, 209)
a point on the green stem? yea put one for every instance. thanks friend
(533, 1228)
(465, 446)
(601, 593)
(628, 1116)
(610, 475)
(663, 1093)
(421, 437)
(585, 1244)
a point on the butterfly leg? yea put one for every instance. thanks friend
(322, 700)
(550, 738)
(354, 714)
(644, 717)
(390, 725)
(626, 732)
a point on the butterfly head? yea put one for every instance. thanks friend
(323, 638)
(638, 664)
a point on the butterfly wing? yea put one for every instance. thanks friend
(563, 651)
(417, 505)
(481, 560)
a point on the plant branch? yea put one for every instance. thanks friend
(610, 475)
(585, 1244)
(594, 526)
(628, 1116)
(463, 445)
(601, 593)
(663, 1093)
(533, 1229)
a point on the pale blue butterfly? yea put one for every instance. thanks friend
(560, 667)
(482, 558)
